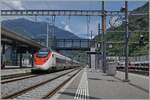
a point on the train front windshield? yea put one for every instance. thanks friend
(42, 53)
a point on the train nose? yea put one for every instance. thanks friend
(37, 66)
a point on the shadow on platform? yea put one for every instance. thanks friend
(136, 86)
(73, 95)
(103, 79)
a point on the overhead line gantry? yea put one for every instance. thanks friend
(67, 13)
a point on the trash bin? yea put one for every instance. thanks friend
(111, 68)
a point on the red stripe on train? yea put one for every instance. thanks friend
(41, 60)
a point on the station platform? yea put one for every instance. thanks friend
(14, 70)
(93, 84)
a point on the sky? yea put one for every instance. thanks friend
(75, 24)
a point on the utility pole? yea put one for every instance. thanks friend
(126, 41)
(98, 47)
(47, 35)
(53, 24)
(103, 37)
(91, 35)
(99, 30)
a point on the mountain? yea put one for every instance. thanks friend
(36, 29)
(135, 23)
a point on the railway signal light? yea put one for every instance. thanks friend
(141, 40)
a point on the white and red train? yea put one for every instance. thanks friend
(47, 60)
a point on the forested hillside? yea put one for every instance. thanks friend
(140, 24)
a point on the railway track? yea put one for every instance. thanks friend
(4, 77)
(15, 77)
(40, 84)
(55, 90)
(4, 81)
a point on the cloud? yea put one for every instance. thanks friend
(67, 28)
(18, 4)
(63, 23)
(15, 4)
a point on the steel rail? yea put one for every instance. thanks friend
(13, 95)
(4, 77)
(16, 79)
(54, 91)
